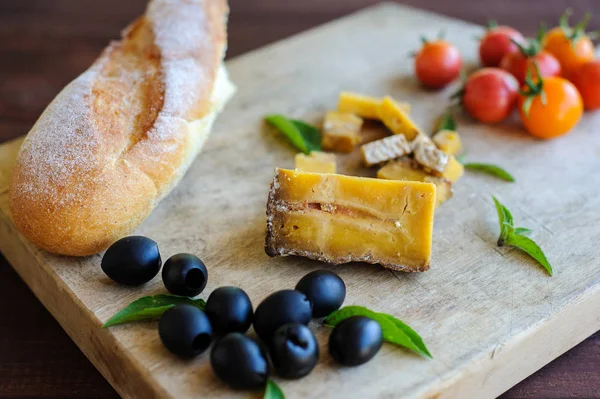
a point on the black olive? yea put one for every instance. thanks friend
(324, 289)
(355, 341)
(185, 330)
(132, 260)
(229, 310)
(240, 362)
(185, 275)
(294, 350)
(279, 308)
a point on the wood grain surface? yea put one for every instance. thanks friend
(44, 44)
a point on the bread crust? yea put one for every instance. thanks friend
(119, 137)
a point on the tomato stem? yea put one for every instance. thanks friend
(534, 88)
(491, 24)
(573, 34)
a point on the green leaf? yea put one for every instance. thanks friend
(531, 248)
(273, 391)
(447, 122)
(490, 169)
(303, 136)
(509, 235)
(522, 230)
(150, 308)
(505, 221)
(394, 330)
(311, 135)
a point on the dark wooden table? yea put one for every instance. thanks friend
(46, 43)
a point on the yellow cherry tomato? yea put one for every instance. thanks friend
(570, 45)
(571, 54)
(553, 110)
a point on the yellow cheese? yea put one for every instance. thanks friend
(454, 170)
(448, 141)
(341, 131)
(339, 219)
(363, 106)
(317, 162)
(407, 169)
(397, 119)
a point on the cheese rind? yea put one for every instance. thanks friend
(428, 155)
(316, 162)
(339, 219)
(396, 118)
(341, 131)
(383, 150)
(448, 141)
(408, 169)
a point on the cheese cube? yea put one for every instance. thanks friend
(408, 169)
(317, 162)
(397, 119)
(448, 141)
(340, 219)
(383, 150)
(341, 131)
(454, 170)
(363, 106)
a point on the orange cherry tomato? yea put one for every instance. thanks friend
(518, 64)
(553, 113)
(497, 43)
(437, 64)
(570, 45)
(587, 80)
(490, 95)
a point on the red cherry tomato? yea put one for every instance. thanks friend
(518, 64)
(587, 80)
(489, 95)
(497, 43)
(437, 64)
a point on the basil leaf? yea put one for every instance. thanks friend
(303, 136)
(446, 123)
(394, 330)
(531, 248)
(522, 230)
(490, 169)
(150, 308)
(501, 220)
(273, 391)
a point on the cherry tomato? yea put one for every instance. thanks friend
(570, 45)
(518, 63)
(553, 113)
(437, 64)
(490, 94)
(497, 43)
(587, 80)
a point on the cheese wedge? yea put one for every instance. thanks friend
(317, 162)
(339, 219)
(448, 141)
(341, 131)
(408, 169)
(395, 117)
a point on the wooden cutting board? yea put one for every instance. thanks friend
(489, 315)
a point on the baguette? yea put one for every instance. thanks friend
(118, 138)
